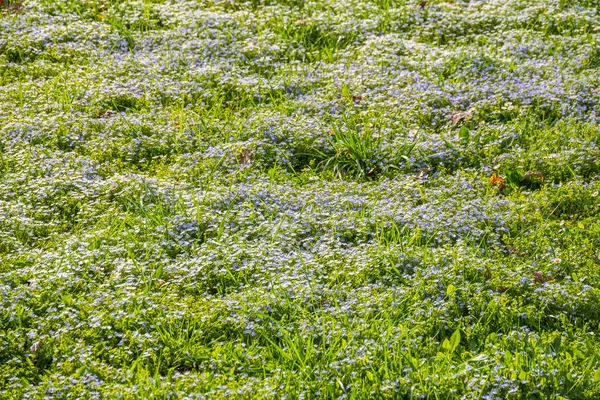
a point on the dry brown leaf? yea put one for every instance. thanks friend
(11, 6)
(534, 175)
(422, 174)
(514, 250)
(458, 116)
(35, 347)
(106, 114)
(538, 277)
(244, 157)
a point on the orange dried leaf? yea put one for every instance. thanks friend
(497, 181)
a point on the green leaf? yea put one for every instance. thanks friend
(578, 353)
(590, 364)
(79, 372)
(556, 343)
(454, 340)
(159, 272)
(487, 274)
(446, 345)
(522, 375)
(464, 134)
(67, 299)
(450, 289)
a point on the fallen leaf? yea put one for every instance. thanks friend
(514, 250)
(422, 174)
(497, 181)
(106, 114)
(35, 347)
(458, 116)
(534, 175)
(11, 6)
(538, 277)
(244, 157)
(423, 4)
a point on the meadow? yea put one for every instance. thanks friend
(299, 199)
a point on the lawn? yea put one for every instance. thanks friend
(301, 199)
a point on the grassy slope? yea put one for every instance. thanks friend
(252, 199)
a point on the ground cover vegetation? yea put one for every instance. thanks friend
(299, 199)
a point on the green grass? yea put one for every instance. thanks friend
(292, 199)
